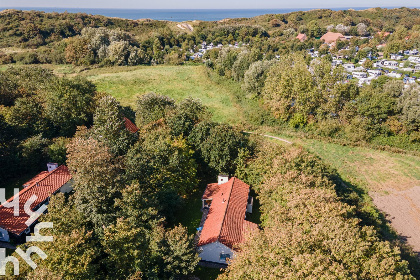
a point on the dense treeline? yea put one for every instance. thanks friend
(312, 95)
(46, 35)
(307, 230)
(119, 222)
(38, 114)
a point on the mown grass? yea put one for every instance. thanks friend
(126, 84)
(378, 171)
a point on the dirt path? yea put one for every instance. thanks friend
(269, 136)
(403, 209)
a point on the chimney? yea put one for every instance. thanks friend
(51, 166)
(221, 179)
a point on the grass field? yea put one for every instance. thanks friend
(378, 171)
(127, 83)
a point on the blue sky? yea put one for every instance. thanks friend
(207, 4)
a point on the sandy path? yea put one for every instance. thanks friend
(403, 209)
(269, 136)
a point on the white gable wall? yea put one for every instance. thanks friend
(211, 252)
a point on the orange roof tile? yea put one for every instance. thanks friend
(43, 186)
(225, 220)
(130, 126)
(384, 33)
(302, 37)
(330, 37)
(211, 190)
(37, 178)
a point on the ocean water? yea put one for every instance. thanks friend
(177, 15)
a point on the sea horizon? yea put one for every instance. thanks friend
(178, 15)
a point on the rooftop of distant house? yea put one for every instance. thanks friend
(331, 37)
(225, 220)
(301, 37)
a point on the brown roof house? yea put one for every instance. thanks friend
(302, 37)
(43, 185)
(331, 37)
(223, 225)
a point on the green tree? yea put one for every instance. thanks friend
(109, 127)
(152, 107)
(74, 253)
(175, 253)
(243, 61)
(290, 88)
(218, 145)
(186, 115)
(409, 104)
(158, 162)
(28, 116)
(255, 76)
(69, 103)
(97, 177)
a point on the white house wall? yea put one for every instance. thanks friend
(211, 252)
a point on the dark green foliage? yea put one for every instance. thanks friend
(37, 107)
(57, 151)
(34, 152)
(159, 162)
(109, 127)
(186, 115)
(28, 116)
(218, 145)
(152, 107)
(69, 103)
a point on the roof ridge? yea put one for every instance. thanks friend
(24, 190)
(226, 209)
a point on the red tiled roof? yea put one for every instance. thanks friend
(130, 126)
(330, 37)
(384, 33)
(302, 37)
(43, 186)
(37, 178)
(225, 220)
(211, 190)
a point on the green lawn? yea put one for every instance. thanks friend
(375, 170)
(127, 83)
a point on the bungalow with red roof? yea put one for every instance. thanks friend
(224, 210)
(43, 185)
(302, 37)
(331, 37)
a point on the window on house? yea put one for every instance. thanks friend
(223, 257)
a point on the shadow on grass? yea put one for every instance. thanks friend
(369, 215)
(207, 273)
